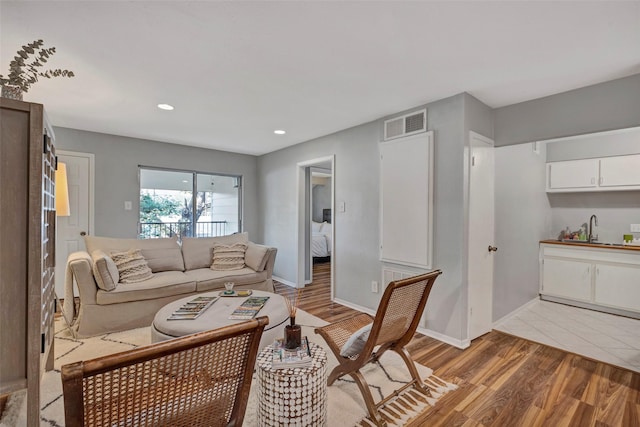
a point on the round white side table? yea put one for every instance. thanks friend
(292, 396)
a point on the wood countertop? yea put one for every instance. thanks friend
(615, 246)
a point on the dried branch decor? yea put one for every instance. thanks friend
(292, 305)
(23, 70)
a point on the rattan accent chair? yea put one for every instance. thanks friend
(392, 328)
(197, 380)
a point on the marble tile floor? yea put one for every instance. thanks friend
(605, 337)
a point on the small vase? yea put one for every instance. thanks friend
(292, 336)
(12, 92)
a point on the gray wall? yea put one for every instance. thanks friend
(357, 229)
(523, 218)
(617, 143)
(525, 214)
(116, 174)
(321, 200)
(605, 106)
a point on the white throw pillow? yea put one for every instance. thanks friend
(356, 341)
(316, 226)
(132, 267)
(254, 257)
(228, 257)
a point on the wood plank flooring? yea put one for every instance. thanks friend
(505, 380)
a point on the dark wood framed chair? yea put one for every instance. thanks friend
(394, 325)
(202, 379)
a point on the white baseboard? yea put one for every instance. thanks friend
(284, 282)
(355, 306)
(461, 344)
(515, 312)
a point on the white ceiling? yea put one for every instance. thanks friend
(236, 71)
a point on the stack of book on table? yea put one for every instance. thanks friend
(249, 308)
(295, 358)
(192, 308)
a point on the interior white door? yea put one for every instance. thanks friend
(481, 235)
(70, 229)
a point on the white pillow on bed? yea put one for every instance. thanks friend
(325, 228)
(316, 227)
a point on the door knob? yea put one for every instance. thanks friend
(492, 248)
(83, 233)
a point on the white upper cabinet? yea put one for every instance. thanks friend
(615, 173)
(602, 161)
(620, 171)
(573, 175)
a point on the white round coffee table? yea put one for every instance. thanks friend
(217, 315)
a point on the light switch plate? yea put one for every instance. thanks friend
(635, 228)
(127, 205)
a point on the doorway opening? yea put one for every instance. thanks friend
(316, 227)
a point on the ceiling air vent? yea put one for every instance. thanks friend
(408, 124)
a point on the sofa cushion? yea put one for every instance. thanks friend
(255, 256)
(228, 257)
(198, 251)
(132, 267)
(207, 279)
(104, 270)
(160, 254)
(164, 284)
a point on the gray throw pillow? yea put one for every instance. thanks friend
(356, 342)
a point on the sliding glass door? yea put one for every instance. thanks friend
(188, 204)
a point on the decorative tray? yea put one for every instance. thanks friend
(244, 293)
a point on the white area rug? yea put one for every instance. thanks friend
(345, 404)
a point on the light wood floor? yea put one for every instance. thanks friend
(504, 380)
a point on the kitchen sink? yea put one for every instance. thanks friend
(584, 242)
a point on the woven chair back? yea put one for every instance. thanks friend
(197, 380)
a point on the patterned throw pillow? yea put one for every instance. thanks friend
(132, 266)
(229, 257)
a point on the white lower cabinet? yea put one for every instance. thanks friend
(604, 279)
(618, 286)
(567, 278)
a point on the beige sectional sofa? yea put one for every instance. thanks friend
(179, 270)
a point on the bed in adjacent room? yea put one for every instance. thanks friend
(321, 239)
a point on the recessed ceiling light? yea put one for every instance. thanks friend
(279, 132)
(165, 107)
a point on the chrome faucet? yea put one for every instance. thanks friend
(592, 220)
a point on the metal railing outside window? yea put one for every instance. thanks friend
(152, 230)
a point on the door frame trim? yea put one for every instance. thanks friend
(301, 227)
